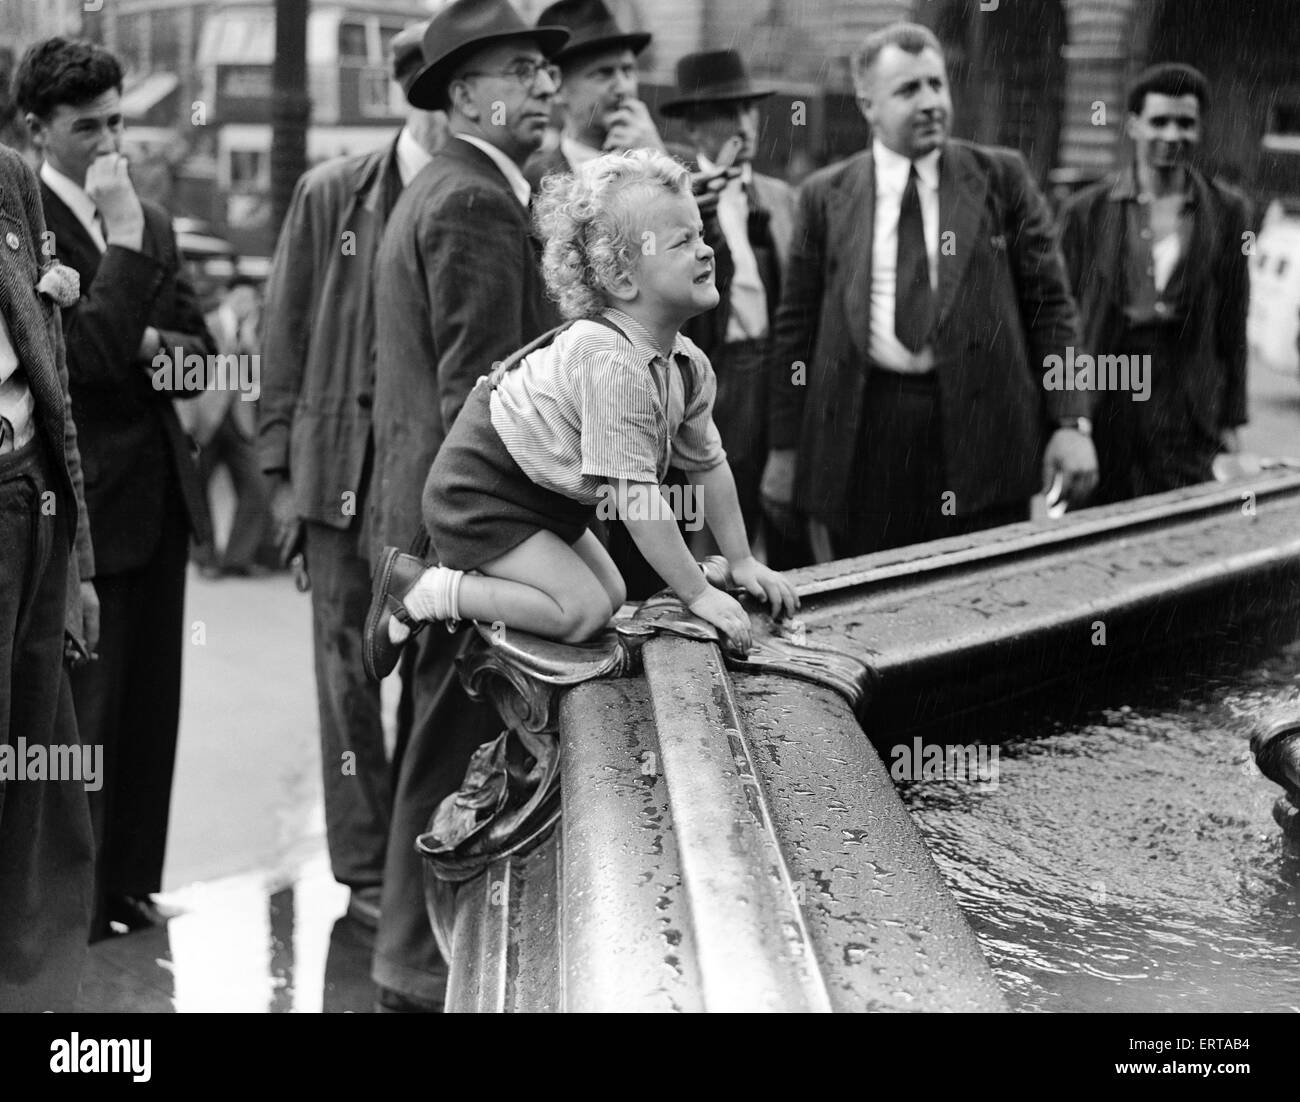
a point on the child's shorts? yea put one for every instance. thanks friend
(479, 504)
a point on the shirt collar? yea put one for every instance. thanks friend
(577, 153)
(892, 168)
(514, 177)
(1125, 188)
(643, 344)
(74, 195)
(411, 156)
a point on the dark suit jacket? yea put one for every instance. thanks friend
(458, 287)
(1210, 383)
(1002, 306)
(544, 163)
(34, 330)
(318, 346)
(133, 448)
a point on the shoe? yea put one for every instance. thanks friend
(388, 1001)
(136, 912)
(363, 906)
(396, 573)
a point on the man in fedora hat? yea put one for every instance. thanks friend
(719, 105)
(599, 89)
(316, 448)
(458, 287)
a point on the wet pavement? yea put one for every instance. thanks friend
(262, 926)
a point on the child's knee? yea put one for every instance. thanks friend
(585, 617)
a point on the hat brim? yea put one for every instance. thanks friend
(676, 108)
(428, 90)
(634, 42)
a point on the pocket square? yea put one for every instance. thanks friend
(999, 242)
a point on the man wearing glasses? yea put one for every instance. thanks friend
(457, 287)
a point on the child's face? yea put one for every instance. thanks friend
(674, 271)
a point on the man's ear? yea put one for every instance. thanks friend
(461, 100)
(865, 104)
(1130, 125)
(36, 128)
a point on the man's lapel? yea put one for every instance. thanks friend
(73, 246)
(962, 189)
(850, 233)
(24, 316)
(1200, 251)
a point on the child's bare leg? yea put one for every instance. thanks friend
(593, 553)
(542, 586)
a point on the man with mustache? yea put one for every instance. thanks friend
(598, 91)
(458, 287)
(1157, 257)
(924, 291)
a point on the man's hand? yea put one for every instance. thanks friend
(629, 126)
(285, 525)
(89, 616)
(1229, 441)
(150, 345)
(777, 487)
(764, 582)
(707, 186)
(108, 183)
(1071, 453)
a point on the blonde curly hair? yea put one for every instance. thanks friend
(587, 220)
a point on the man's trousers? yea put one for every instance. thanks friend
(129, 702)
(358, 790)
(46, 853)
(446, 729)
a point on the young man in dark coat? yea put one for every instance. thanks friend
(143, 491)
(46, 852)
(1157, 255)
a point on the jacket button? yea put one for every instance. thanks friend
(365, 401)
(11, 239)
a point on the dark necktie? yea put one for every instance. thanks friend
(912, 303)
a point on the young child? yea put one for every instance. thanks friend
(592, 414)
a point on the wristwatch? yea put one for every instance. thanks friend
(1079, 424)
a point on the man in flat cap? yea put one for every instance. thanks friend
(316, 447)
(458, 287)
(599, 90)
(719, 105)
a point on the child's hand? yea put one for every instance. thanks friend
(724, 612)
(761, 581)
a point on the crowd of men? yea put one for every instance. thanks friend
(881, 349)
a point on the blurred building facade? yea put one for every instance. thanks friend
(1043, 76)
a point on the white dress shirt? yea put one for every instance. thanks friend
(577, 153)
(892, 171)
(17, 406)
(514, 177)
(411, 156)
(748, 317)
(81, 204)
